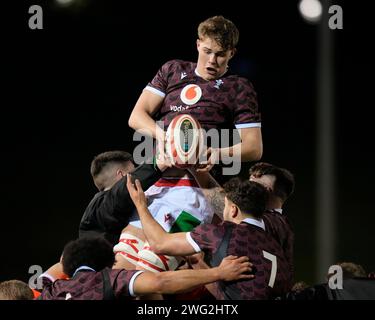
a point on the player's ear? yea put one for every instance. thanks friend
(198, 44)
(234, 211)
(232, 53)
(120, 172)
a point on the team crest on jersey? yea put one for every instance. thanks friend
(218, 83)
(191, 94)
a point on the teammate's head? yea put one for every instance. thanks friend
(15, 290)
(109, 167)
(243, 198)
(299, 286)
(94, 252)
(216, 45)
(350, 270)
(278, 181)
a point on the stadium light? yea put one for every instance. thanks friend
(65, 3)
(311, 10)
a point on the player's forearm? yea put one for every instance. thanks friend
(211, 189)
(154, 232)
(169, 282)
(141, 117)
(142, 122)
(56, 271)
(205, 180)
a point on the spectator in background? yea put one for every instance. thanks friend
(351, 270)
(15, 290)
(354, 285)
(299, 286)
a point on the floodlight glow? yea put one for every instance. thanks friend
(64, 2)
(311, 10)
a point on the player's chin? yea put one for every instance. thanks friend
(211, 75)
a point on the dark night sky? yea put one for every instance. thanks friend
(69, 90)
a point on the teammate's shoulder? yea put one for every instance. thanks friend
(273, 214)
(228, 224)
(208, 228)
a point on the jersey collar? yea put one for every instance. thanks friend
(255, 222)
(83, 268)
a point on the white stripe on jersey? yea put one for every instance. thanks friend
(192, 242)
(248, 125)
(156, 91)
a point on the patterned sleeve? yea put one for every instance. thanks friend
(159, 84)
(207, 237)
(123, 282)
(47, 280)
(246, 113)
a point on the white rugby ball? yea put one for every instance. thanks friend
(184, 141)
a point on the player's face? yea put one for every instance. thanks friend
(212, 59)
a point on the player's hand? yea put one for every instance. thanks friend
(136, 192)
(234, 268)
(162, 160)
(213, 156)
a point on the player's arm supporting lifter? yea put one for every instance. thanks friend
(141, 117)
(56, 271)
(170, 282)
(160, 241)
(213, 192)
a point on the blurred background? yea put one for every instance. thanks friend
(69, 88)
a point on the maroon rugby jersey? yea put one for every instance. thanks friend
(277, 224)
(88, 285)
(225, 103)
(272, 272)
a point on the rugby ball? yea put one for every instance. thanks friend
(184, 141)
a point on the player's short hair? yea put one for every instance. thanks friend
(299, 286)
(352, 270)
(104, 159)
(284, 183)
(94, 252)
(249, 196)
(222, 30)
(15, 290)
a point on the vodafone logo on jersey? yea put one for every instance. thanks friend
(191, 94)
